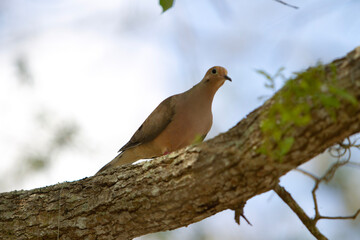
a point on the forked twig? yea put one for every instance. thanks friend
(339, 151)
(305, 219)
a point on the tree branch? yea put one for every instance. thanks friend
(339, 151)
(287, 4)
(305, 219)
(183, 187)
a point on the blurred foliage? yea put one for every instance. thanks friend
(59, 135)
(53, 137)
(52, 134)
(22, 71)
(270, 81)
(64, 135)
(315, 87)
(166, 4)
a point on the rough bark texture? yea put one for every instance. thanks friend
(178, 189)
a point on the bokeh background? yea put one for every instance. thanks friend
(77, 78)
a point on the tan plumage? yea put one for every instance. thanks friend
(178, 121)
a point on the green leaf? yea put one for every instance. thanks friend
(279, 73)
(277, 134)
(268, 124)
(303, 120)
(166, 4)
(313, 88)
(198, 139)
(271, 81)
(329, 101)
(266, 75)
(285, 145)
(344, 95)
(262, 150)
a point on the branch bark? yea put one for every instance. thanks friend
(305, 219)
(181, 188)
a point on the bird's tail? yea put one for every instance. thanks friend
(125, 157)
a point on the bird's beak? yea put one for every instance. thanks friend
(227, 78)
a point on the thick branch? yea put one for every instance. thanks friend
(181, 188)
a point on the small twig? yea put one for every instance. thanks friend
(305, 219)
(325, 178)
(332, 170)
(313, 193)
(239, 212)
(339, 151)
(355, 164)
(349, 144)
(307, 173)
(343, 217)
(286, 4)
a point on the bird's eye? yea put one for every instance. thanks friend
(213, 71)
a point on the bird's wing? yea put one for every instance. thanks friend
(155, 123)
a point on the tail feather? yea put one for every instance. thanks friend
(128, 156)
(110, 164)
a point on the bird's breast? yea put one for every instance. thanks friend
(189, 125)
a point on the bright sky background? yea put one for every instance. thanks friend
(105, 65)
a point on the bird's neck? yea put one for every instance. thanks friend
(205, 93)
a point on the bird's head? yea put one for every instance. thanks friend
(215, 77)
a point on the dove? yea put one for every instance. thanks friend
(178, 121)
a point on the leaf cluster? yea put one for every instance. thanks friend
(317, 87)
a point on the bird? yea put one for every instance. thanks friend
(178, 121)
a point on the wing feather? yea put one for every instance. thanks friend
(154, 124)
